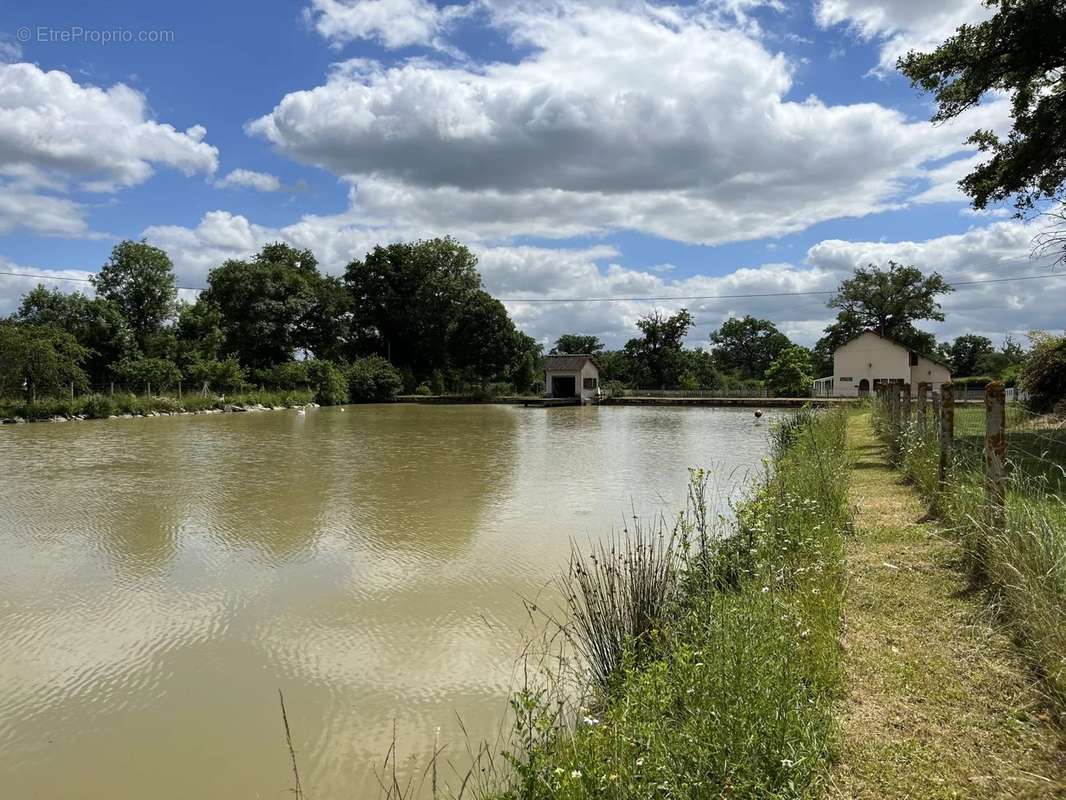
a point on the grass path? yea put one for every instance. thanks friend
(938, 703)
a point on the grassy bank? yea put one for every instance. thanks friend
(1021, 564)
(711, 648)
(939, 703)
(102, 406)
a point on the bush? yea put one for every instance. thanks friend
(98, 406)
(1044, 373)
(159, 373)
(373, 380)
(328, 382)
(288, 375)
(791, 373)
(423, 390)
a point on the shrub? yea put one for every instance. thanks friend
(98, 406)
(159, 373)
(288, 375)
(373, 379)
(423, 390)
(791, 372)
(1044, 373)
(328, 381)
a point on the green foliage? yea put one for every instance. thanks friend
(1044, 373)
(141, 373)
(39, 360)
(1020, 51)
(226, 375)
(432, 282)
(423, 390)
(271, 306)
(98, 406)
(729, 662)
(139, 280)
(966, 352)
(373, 380)
(484, 342)
(329, 382)
(889, 302)
(656, 359)
(578, 344)
(701, 371)
(198, 333)
(1022, 562)
(97, 325)
(287, 375)
(791, 372)
(748, 346)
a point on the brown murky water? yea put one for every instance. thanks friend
(161, 579)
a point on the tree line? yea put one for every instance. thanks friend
(407, 316)
(414, 317)
(749, 352)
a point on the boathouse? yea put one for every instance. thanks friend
(870, 360)
(568, 375)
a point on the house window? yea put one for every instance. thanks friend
(590, 383)
(914, 359)
(845, 380)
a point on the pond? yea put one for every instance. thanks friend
(161, 579)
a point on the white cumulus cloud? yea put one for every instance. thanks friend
(900, 25)
(622, 116)
(250, 179)
(572, 276)
(57, 135)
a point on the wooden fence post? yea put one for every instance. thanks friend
(923, 396)
(995, 454)
(892, 396)
(947, 436)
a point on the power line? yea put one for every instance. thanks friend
(662, 299)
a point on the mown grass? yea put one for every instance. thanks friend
(1021, 564)
(940, 703)
(714, 648)
(101, 406)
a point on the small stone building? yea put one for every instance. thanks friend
(572, 376)
(870, 360)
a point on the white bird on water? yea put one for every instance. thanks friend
(301, 411)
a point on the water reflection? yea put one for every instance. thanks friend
(160, 579)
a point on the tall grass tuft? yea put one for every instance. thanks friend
(714, 647)
(618, 596)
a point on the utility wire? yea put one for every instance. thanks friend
(664, 298)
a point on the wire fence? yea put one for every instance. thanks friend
(995, 476)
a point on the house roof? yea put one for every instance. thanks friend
(568, 361)
(897, 344)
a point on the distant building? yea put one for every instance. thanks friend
(870, 360)
(572, 376)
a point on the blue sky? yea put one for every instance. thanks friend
(581, 147)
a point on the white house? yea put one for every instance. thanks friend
(870, 360)
(572, 376)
